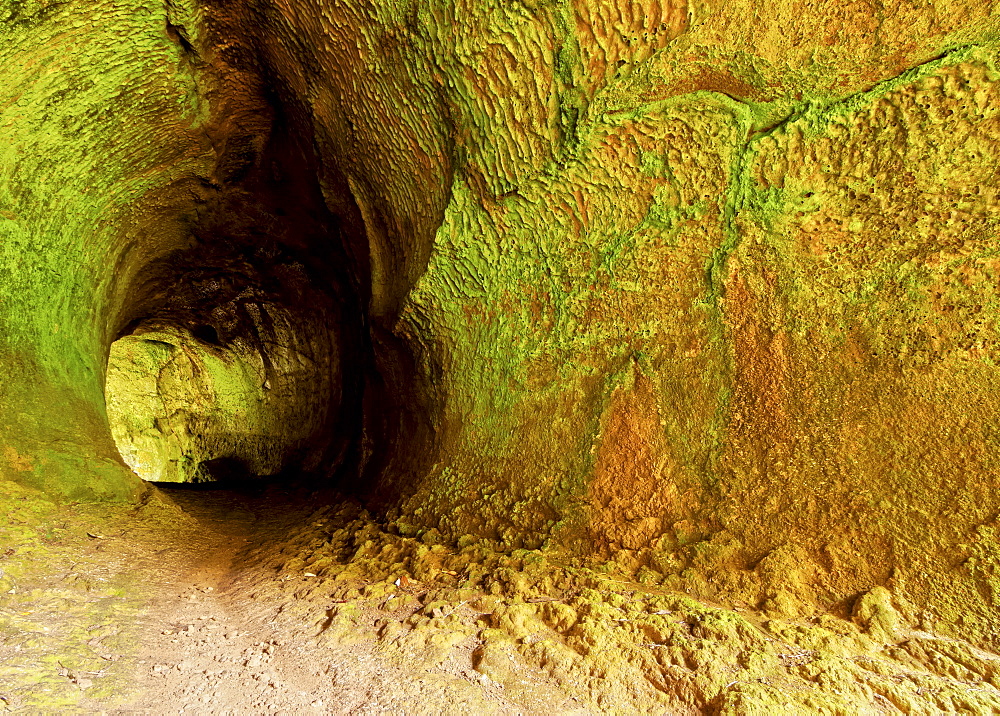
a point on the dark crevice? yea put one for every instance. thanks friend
(207, 334)
(178, 34)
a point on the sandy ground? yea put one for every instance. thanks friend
(277, 601)
(194, 628)
(213, 645)
(201, 651)
(214, 642)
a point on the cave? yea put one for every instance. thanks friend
(545, 356)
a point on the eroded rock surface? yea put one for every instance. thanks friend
(702, 288)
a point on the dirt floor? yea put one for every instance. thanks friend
(281, 601)
(162, 611)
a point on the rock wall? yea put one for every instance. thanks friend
(705, 288)
(100, 156)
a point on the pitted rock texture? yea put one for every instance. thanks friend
(702, 287)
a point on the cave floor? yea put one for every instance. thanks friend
(203, 650)
(160, 610)
(276, 600)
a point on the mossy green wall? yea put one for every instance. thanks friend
(705, 282)
(699, 285)
(176, 403)
(99, 130)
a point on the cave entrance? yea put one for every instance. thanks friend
(185, 409)
(247, 352)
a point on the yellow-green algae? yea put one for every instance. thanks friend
(612, 378)
(98, 117)
(706, 299)
(176, 403)
(592, 632)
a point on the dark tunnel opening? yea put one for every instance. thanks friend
(288, 295)
(248, 353)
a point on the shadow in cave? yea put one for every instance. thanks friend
(248, 352)
(252, 350)
(249, 507)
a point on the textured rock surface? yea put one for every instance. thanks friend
(99, 156)
(184, 410)
(705, 288)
